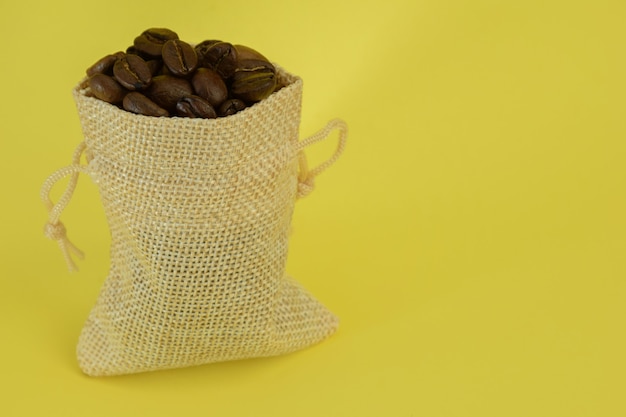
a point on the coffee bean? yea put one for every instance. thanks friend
(219, 56)
(202, 46)
(254, 78)
(166, 90)
(106, 88)
(179, 57)
(155, 66)
(151, 41)
(195, 106)
(136, 102)
(245, 53)
(132, 72)
(104, 65)
(230, 107)
(253, 81)
(209, 85)
(201, 50)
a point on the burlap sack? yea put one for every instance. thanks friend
(199, 213)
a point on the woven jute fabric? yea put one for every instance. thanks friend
(199, 213)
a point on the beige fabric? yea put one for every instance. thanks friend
(199, 213)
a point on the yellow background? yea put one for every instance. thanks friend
(471, 238)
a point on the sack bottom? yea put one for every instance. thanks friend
(298, 321)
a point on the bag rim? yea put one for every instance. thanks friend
(288, 80)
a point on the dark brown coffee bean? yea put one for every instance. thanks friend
(155, 66)
(136, 102)
(245, 52)
(151, 41)
(231, 106)
(253, 81)
(209, 85)
(195, 106)
(253, 64)
(219, 56)
(104, 65)
(254, 78)
(166, 90)
(179, 57)
(132, 72)
(106, 88)
(202, 48)
(248, 58)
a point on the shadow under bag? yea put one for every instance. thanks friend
(199, 212)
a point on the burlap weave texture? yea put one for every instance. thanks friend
(199, 213)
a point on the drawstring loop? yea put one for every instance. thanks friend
(306, 177)
(54, 229)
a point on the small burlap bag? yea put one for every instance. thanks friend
(199, 213)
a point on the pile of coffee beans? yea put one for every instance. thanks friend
(161, 75)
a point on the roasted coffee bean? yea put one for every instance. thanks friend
(209, 85)
(219, 56)
(179, 57)
(249, 58)
(132, 50)
(106, 88)
(132, 72)
(245, 53)
(195, 106)
(155, 66)
(166, 90)
(253, 81)
(104, 65)
(202, 48)
(254, 78)
(230, 107)
(138, 103)
(151, 41)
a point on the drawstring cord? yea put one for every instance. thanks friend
(306, 177)
(54, 229)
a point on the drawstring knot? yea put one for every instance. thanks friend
(305, 186)
(55, 231)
